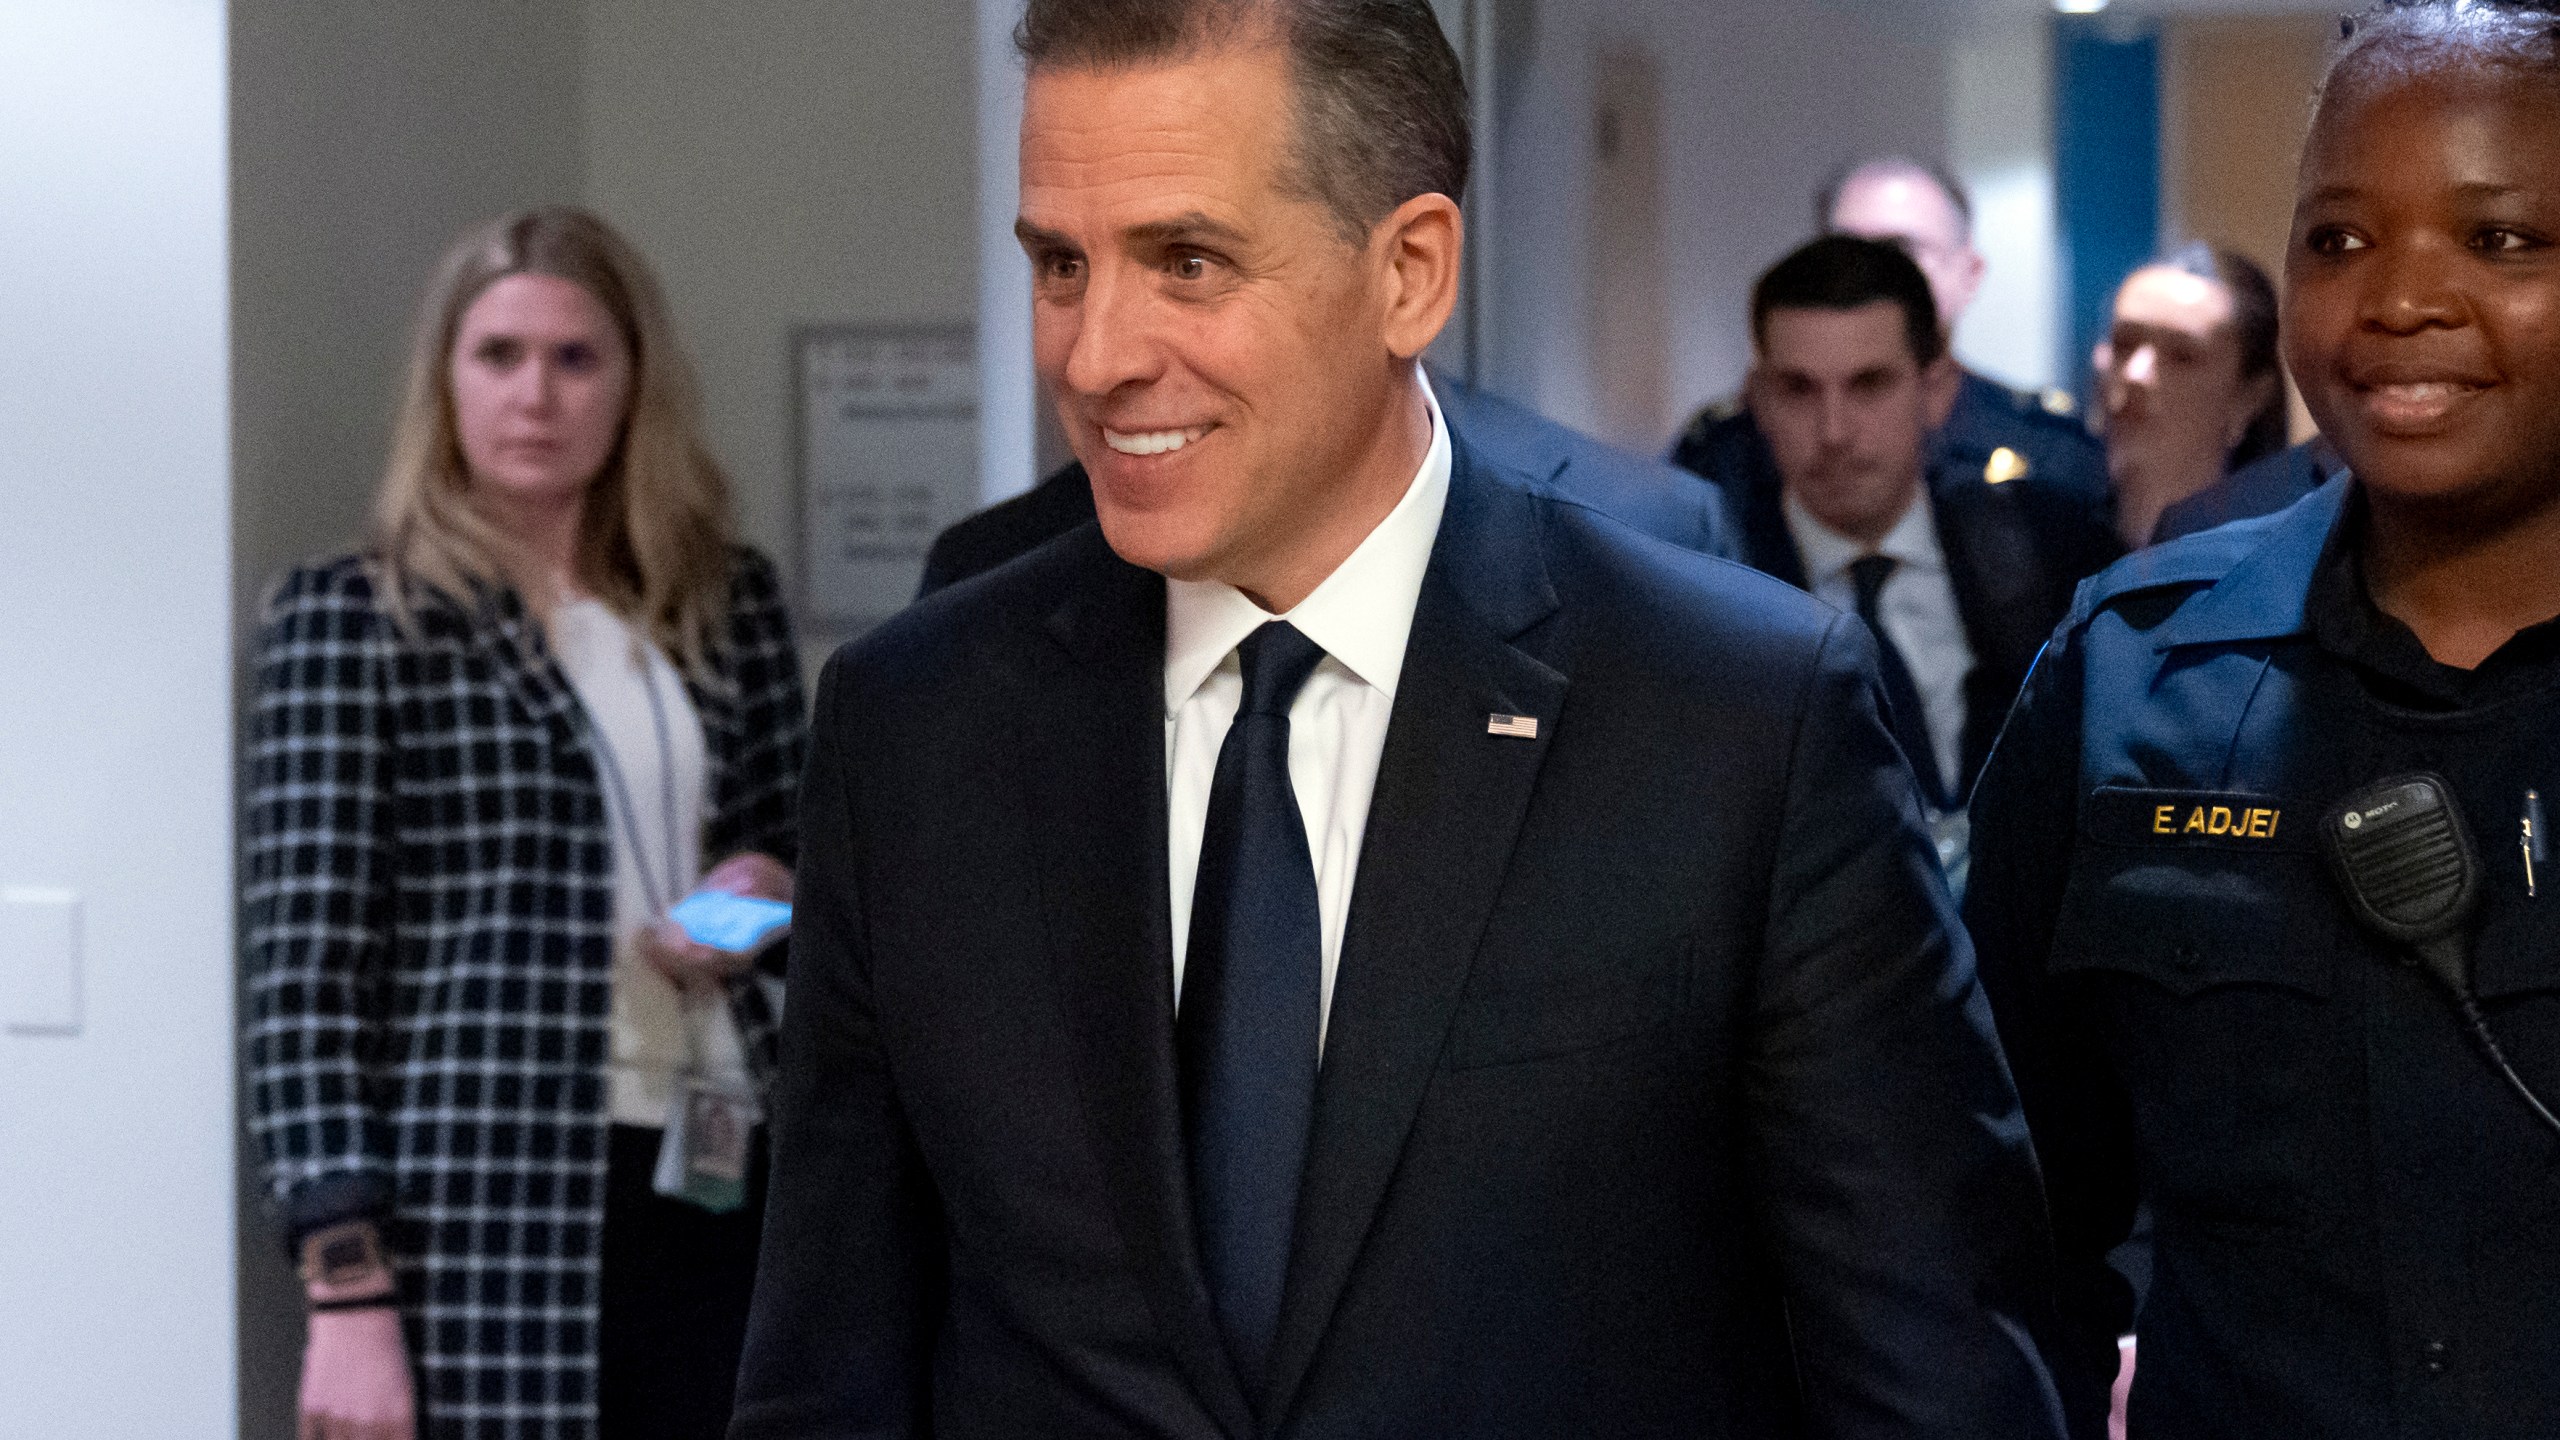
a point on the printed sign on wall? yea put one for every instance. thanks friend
(888, 456)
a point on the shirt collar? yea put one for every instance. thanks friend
(1912, 542)
(1361, 615)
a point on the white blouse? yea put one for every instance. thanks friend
(652, 765)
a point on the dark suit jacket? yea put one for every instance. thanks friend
(1658, 1097)
(1661, 500)
(2015, 553)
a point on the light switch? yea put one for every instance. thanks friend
(39, 961)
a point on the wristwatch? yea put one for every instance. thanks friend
(343, 1263)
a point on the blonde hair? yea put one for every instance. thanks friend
(654, 532)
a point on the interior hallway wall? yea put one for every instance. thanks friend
(2000, 143)
(364, 138)
(2235, 105)
(782, 163)
(116, 1260)
(1759, 103)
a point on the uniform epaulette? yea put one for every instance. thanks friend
(1711, 415)
(2050, 409)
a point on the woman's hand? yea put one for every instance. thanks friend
(751, 873)
(355, 1378)
(694, 966)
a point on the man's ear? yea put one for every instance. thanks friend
(1940, 380)
(1974, 267)
(1419, 248)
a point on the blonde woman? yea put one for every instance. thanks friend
(491, 751)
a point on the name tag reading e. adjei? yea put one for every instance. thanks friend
(2118, 815)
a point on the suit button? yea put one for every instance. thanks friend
(2187, 956)
(2435, 1356)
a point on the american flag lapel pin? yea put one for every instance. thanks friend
(1517, 727)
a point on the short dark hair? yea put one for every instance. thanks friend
(2254, 327)
(1827, 199)
(2407, 35)
(1381, 100)
(1844, 272)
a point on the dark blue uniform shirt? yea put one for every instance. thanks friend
(2357, 1225)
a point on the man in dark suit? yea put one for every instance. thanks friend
(1992, 432)
(1661, 500)
(1640, 1087)
(1962, 580)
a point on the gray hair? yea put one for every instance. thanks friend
(1381, 101)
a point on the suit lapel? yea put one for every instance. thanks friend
(1447, 809)
(525, 664)
(1093, 742)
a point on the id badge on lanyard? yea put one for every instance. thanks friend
(702, 1151)
(702, 1156)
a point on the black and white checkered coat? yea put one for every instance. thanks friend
(429, 902)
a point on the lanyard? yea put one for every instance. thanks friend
(660, 901)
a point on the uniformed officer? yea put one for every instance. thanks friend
(2357, 1217)
(1997, 434)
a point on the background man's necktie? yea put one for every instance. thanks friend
(1910, 723)
(1251, 1004)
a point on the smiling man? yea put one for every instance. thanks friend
(1352, 942)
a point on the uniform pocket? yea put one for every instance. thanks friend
(2188, 920)
(2213, 970)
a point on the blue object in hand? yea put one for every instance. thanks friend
(723, 921)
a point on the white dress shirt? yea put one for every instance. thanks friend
(1918, 607)
(1361, 617)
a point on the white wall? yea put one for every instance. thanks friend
(115, 715)
(1760, 102)
(785, 162)
(2000, 141)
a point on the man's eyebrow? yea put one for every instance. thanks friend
(1191, 227)
(1033, 237)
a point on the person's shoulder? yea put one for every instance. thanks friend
(2262, 487)
(343, 594)
(2015, 434)
(951, 635)
(1009, 528)
(1672, 600)
(2046, 408)
(2150, 584)
(1719, 441)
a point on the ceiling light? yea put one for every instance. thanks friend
(2079, 7)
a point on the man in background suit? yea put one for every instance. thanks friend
(1640, 1084)
(1663, 501)
(1962, 581)
(1999, 435)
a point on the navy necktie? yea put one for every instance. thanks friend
(1909, 722)
(1252, 990)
